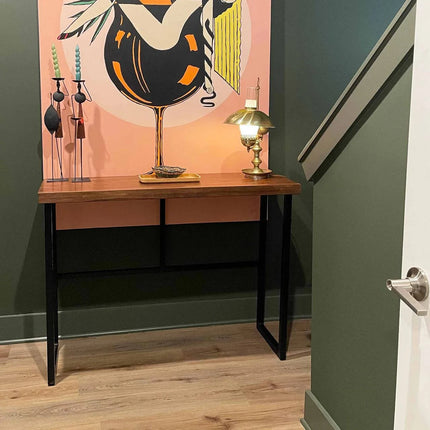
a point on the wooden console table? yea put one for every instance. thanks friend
(129, 188)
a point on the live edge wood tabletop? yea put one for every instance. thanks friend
(129, 188)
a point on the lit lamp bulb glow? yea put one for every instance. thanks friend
(249, 135)
(249, 131)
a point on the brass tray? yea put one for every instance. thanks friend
(185, 177)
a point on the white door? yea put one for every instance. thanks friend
(412, 410)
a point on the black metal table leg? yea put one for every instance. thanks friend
(261, 287)
(162, 233)
(285, 272)
(51, 292)
(280, 346)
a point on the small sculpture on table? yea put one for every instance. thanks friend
(53, 122)
(79, 97)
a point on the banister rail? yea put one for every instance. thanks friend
(394, 46)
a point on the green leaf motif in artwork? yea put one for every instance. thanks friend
(81, 3)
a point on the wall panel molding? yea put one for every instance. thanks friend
(316, 417)
(139, 317)
(392, 49)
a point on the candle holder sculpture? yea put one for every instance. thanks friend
(79, 97)
(53, 122)
(78, 118)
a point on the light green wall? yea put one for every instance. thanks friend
(358, 226)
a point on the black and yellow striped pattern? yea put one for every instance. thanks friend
(228, 45)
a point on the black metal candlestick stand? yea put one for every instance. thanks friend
(58, 97)
(78, 118)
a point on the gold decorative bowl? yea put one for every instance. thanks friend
(168, 171)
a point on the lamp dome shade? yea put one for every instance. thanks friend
(250, 117)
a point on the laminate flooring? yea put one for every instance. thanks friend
(217, 377)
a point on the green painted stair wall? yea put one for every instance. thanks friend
(355, 209)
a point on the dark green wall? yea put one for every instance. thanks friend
(317, 47)
(357, 203)
(107, 303)
(21, 225)
(358, 226)
(311, 65)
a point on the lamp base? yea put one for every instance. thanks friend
(257, 173)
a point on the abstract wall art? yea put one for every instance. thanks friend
(164, 75)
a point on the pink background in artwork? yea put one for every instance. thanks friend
(115, 147)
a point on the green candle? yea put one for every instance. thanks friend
(55, 60)
(77, 63)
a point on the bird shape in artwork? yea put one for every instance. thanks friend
(160, 52)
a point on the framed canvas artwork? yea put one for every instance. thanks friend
(160, 77)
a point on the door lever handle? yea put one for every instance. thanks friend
(412, 290)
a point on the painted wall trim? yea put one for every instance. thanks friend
(316, 417)
(390, 51)
(124, 319)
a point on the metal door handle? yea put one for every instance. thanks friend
(412, 290)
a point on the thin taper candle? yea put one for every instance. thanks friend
(77, 63)
(55, 61)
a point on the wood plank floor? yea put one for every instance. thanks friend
(218, 377)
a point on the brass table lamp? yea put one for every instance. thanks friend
(253, 124)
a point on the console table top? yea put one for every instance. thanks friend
(129, 188)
